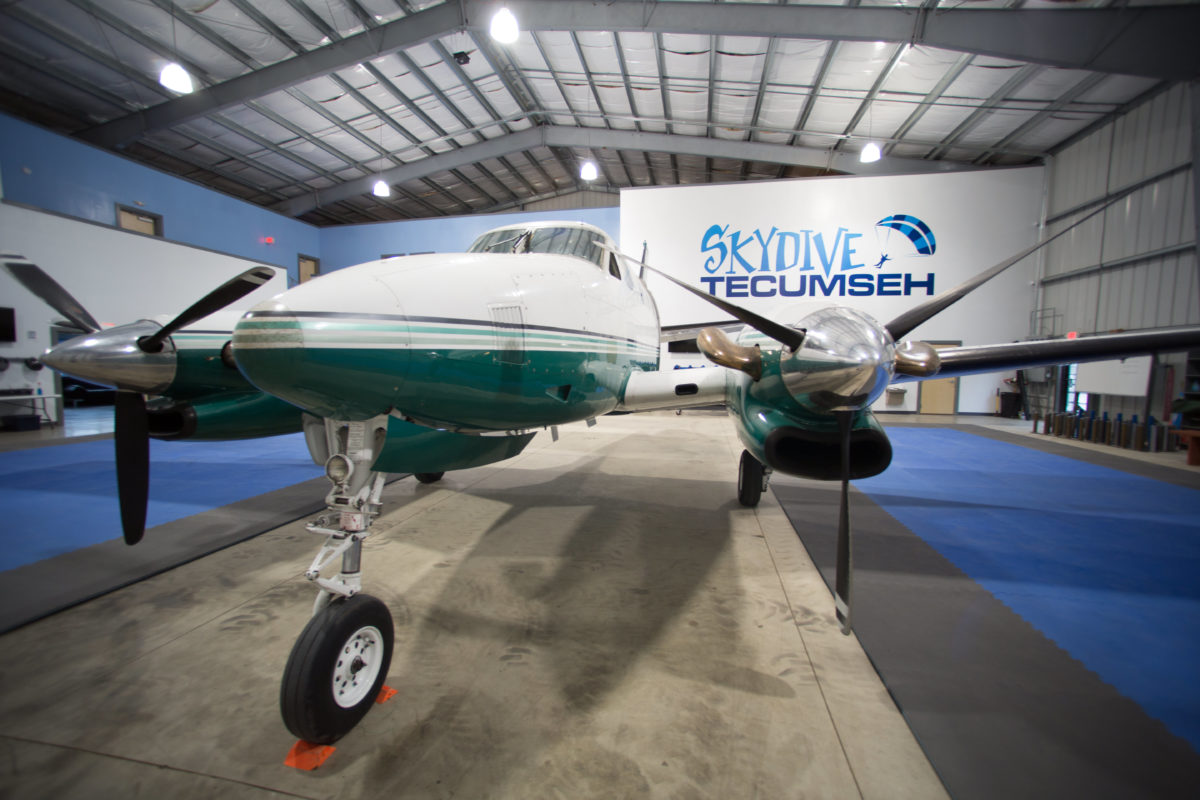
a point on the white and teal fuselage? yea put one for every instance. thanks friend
(473, 343)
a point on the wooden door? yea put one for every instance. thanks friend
(938, 396)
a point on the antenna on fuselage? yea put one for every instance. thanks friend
(642, 272)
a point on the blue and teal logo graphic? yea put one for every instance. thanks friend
(813, 263)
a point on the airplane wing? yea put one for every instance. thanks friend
(977, 359)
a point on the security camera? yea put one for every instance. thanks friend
(462, 57)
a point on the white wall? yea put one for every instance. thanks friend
(118, 276)
(978, 219)
(1134, 266)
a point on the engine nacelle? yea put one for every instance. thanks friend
(246, 415)
(807, 445)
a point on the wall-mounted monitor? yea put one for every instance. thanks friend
(8, 325)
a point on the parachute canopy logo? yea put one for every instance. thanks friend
(917, 232)
(812, 262)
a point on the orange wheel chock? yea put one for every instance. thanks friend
(308, 756)
(385, 693)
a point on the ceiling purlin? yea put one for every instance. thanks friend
(869, 99)
(930, 99)
(713, 45)
(814, 93)
(587, 72)
(457, 69)
(181, 155)
(563, 93)
(370, 23)
(385, 118)
(462, 118)
(202, 30)
(526, 98)
(763, 82)
(1098, 39)
(665, 89)
(152, 86)
(633, 109)
(1085, 85)
(1019, 79)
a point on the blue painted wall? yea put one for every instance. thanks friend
(42, 169)
(45, 170)
(347, 245)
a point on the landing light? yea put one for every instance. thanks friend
(338, 468)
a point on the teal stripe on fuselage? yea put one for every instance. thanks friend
(450, 374)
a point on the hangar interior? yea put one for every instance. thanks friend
(598, 617)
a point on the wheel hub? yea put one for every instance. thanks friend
(357, 666)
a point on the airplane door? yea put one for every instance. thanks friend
(938, 396)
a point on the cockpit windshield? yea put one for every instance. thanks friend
(569, 241)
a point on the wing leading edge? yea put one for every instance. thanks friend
(977, 359)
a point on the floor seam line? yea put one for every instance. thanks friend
(131, 760)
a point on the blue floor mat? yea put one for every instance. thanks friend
(1104, 563)
(64, 497)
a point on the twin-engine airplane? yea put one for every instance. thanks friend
(387, 370)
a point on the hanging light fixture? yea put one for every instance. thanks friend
(870, 153)
(588, 171)
(504, 28)
(173, 76)
(176, 78)
(381, 188)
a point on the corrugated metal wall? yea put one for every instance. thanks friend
(1132, 267)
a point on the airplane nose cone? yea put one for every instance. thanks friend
(340, 365)
(112, 358)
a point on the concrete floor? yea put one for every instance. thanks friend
(595, 618)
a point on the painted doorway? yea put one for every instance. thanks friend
(309, 268)
(939, 396)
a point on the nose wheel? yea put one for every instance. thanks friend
(336, 668)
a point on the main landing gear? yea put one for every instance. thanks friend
(752, 479)
(338, 665)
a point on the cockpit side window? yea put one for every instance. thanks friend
(500, 241)
(579, 242)
(613, 269)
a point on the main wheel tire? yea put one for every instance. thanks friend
(750, 480)
(428, 477)
(336, 669)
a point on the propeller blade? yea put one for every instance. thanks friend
(228, 292)
(845, 559)
(132, 438)
(35, 279)
(902, 325)
(784, 334)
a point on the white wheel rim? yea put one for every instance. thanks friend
(357, 666)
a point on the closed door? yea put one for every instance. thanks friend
(309, 267)
(940, 396)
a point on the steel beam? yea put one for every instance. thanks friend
(597, 138)
(1156, 41)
